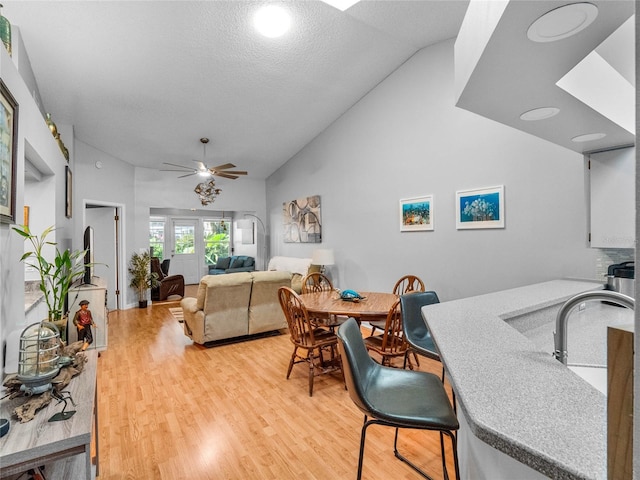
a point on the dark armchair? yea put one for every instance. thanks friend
(169, 284)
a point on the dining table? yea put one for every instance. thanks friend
(373, 305)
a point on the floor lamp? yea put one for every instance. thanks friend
(264, 233)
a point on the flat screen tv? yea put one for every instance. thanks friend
(88, 256)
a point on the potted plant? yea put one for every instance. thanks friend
(142, 278)
(55, 277)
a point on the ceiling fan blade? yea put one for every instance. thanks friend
(170, 170)
(234, 172)
(225, 175)
(187, 175)
(223, 167)
(181, 166)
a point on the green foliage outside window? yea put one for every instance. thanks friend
(185, 244)
(216, 240)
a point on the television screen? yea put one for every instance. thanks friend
(88, 256)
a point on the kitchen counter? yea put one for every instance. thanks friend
(515, 397)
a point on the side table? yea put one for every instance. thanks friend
(64, 447)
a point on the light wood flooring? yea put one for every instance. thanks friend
(170, 409)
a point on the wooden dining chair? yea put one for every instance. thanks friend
(310, 343)
(408, 284)
(316, 282)
(391, 343)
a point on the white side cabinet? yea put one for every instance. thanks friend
(612, 178)
(96, 294)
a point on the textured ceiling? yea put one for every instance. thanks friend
(144, 80)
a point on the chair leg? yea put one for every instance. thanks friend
(399, 456)
(310, 358)
(361, 455)
(415, 357)
(454, 449)
(291, 362)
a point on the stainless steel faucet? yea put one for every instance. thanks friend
(560, 335)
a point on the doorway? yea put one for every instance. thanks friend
(184, 250)
(104, 218)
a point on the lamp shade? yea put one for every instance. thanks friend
(245, 224)
(323, 256)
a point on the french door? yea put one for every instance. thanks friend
(184, 250)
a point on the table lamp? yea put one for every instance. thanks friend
(322, 257)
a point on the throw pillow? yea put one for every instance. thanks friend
(238, 262)
(248, 262)
(223, 263)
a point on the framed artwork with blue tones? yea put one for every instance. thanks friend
(416, 214)
(480, 208)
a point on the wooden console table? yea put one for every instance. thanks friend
(64, 447)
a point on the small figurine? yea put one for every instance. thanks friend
(83, 320)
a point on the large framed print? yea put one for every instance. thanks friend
(8, 154)
(480, 208)
(416, 214)
(302, 221)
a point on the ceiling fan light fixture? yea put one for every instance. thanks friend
(272, 21)
(562, 22)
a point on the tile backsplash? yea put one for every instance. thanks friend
(607, 256)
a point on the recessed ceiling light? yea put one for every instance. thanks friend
(341, 4)
(539, 113)
(272, 21)
(562, 22)
(588, 137)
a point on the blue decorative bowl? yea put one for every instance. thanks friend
(4, 427)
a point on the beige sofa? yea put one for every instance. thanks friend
(234, 305)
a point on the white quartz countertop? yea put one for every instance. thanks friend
(515, 396)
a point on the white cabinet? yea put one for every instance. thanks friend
(96, 294)
(612, 181)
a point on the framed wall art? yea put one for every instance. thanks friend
(302, 221)
(480, 208)
(8, 154)
(69, 193)
(416, 214)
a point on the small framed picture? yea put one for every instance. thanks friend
(480, 208)
(416, 214)
(69, 190)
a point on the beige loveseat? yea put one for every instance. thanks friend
(234, 305)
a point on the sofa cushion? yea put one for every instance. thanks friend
(237, 262)
(223, 263)
(249, 262)
(290, 264)
(265, 312)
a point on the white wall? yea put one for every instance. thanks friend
(47, 204)
(405, 139)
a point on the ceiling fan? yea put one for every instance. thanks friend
(204, 170)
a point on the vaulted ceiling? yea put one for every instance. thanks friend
(144, 80)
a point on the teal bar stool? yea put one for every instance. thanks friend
(395, 398)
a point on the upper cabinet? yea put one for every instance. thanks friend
(612, 181)
(560, 70)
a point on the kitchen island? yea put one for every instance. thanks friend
(522, 413)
